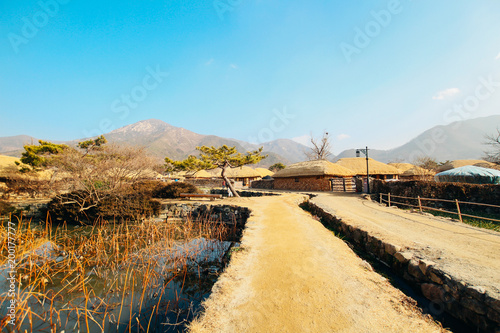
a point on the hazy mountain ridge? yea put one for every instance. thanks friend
(459, 140)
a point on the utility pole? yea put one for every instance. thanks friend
(365, 152)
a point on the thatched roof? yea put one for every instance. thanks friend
(358, 165)
(314, 168)
(417, 171)
(460, 163)
(239, 172)
(488, 165)
(402, 166)
(199, 174)
(264, 172)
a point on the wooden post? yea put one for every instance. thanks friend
(419, 204)
(389, 199)
(381, 195)
(458, 209)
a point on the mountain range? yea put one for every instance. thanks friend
(459, 140)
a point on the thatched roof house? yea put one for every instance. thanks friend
(240, 174)
(264, 172)
(417, 173)
(402, 166)
(318, 175)
(377, 169)
(460, 163)
(199, 174)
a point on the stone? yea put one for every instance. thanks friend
(414, 270)
(403, 257)
(476, 292)
(366, 265)
(391, 249)
(492, 302)
(494, 316)
(424, 265)
(435, 275)
(474, 305)
(432, 292)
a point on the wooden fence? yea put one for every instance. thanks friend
(420, 204)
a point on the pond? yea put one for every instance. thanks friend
(149, 276)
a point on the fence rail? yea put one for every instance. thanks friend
(390, 200)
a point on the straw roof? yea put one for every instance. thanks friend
(417, 171)
(314, 168)
(199, 174)
(402, 166)
(488, 165)
(358, 165)
(460, 163)
(239, 172)
(264, 172)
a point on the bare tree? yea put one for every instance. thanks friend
(321, 148)
(426, 162)
(493, 141)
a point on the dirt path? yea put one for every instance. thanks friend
(293, 275)
(468, 253)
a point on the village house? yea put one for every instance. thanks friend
(378, 170)
(317, 175)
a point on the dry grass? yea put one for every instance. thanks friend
(107, 277)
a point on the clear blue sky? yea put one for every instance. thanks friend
(70, 68)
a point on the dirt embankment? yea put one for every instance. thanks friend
(293, 275)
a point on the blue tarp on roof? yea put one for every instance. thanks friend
(469, 174)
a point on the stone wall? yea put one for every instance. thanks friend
(219, 213)
(471, 304)
(204, 182)
(315, 183)
(243, 193)
(265, 184)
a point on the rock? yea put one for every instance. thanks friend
(365, 264)
(391, 249)
(492, 302)
(414, 270)
(432, 292)
(493, 315)
(424, 265)
(403, 257)
(435, 275)
(476, 292)
(474, 305)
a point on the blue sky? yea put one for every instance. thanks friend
(371, 73)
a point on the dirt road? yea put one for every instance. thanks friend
(293, 275)
(468, 253)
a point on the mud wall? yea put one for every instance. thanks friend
(471, 304)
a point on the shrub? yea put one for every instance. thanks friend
(6, 208)
(174, 190)
(111, 207)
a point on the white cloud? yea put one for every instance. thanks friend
(304, 139)
(211, 61)
(498, 57)
(341, 137)
(446, 93)
(233, 66)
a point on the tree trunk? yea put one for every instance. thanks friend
(228, 182)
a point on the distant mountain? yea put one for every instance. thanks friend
(458, 140)
(162, 139)
(10, 145)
